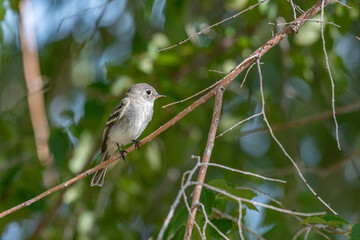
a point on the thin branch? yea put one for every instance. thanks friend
(217, 71)
(296, 7)
(237, 124)
(212, 26)
(225, 193)
(330, 74)
(235, 220)
(184, 194)
(177, 200)
(247, 72)
(293, 8)
(341, 3)
(301, 231)
(307, 233)
(281, 146)
(196, 94)
(281, 205)
(243, 172)
(207, 221)
(306, 20)
(239, 221)
(205, 159)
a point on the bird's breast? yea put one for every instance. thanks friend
(133, 122)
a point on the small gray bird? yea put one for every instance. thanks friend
(125, 124)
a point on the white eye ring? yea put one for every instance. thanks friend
(148, 92)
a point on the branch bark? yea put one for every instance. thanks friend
(206, 159)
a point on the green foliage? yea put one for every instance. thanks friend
(355, 232)
(329, 220)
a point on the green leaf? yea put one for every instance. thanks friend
(207, 198)
(329, 220)
(355, 232)
(224, 225)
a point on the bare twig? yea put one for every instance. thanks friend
(293, 8)
(296, 7)
(299, 233)
(217, 71)
(235, 220)
(306, 20)
(212, 26)
(330, 75)
(177, 200)
(237, 124)
(196, 94)
(247, 72)
(239, 221)
(225, 193)
(281, 146)
(341, 3)
(243, 172)
(207, 221)
(307, 233)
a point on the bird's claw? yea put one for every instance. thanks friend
(137, 144)
(121, 152)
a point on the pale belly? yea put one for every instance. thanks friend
(125, 131)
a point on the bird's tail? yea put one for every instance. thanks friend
(99, 175)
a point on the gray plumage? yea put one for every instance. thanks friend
(126, 123)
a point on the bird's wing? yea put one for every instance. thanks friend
(115, 116)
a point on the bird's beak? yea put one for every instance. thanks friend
(159, 96)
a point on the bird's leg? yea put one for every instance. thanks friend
(137, 144)
(121, 152)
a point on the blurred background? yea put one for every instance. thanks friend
(89, 52)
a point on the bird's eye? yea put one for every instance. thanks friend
(148, 92)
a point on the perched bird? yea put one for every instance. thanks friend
(125, 124)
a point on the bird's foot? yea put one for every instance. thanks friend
(121, 152)
(137, 144)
